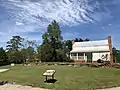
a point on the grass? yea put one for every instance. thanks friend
(68, 78)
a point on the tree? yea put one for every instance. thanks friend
(86, 39)
(46, 53)
(53, 39)
(76, 40)
(114, 50)
(81, 40)
(24, 55)
(39, 52)
(68, 44)
(28, 50)
(30, 53)
(3, 57)
(13, 49)
(14, 44)
(116, 54)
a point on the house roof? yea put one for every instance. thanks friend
(91, 43)
(91, 46)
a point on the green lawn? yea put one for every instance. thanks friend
(68, 78)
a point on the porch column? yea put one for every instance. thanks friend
(77, 56)
(70, 56)
(84, 57)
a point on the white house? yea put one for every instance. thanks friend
(91, 51)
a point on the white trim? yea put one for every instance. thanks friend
(84, 57)
(77, 56)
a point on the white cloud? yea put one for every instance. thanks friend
(35, 15)
(66, 12)
(18, 23)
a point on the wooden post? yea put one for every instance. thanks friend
(46, 77)
(110, 48)
(52, 76)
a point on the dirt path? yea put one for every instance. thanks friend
(19, 87)
(3, 70)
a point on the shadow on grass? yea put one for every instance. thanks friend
(50, 81)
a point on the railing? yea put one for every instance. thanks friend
(78, 58)
(74, 57)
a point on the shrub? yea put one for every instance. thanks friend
(100, 61)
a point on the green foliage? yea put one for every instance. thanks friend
(13, 49)
(15, 57)
(20, 50)
(3, 57)
(30, 53)
(62, 56)
(46, 53)
(53, 35)
(68, 44)
(81, 40)
(39, 53)
(52, 46)
(118, 58)
(24, 55)
(14, 44)
(117, 55)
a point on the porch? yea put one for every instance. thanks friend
(81, 56)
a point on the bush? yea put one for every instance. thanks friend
(118, 58)
(100, 61)
(61, 56)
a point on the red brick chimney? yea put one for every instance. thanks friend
(73, 41)
(110, 48)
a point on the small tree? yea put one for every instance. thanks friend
(30, 53)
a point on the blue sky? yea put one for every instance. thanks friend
(93, 19)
